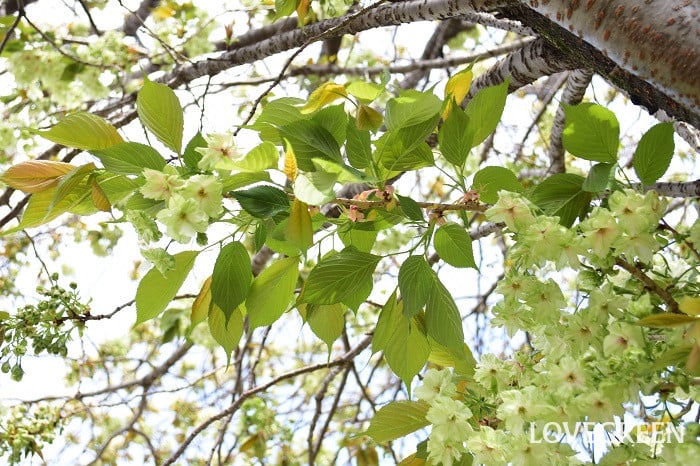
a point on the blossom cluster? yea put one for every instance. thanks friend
(190, 203)
(585, 361)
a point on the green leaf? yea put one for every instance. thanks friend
(389, 319)
(240, 180)
(261, 157)
(159, 110)
(463, 363)
(407, 351)
(227, 331)
(591, 132)
(344, 277)
(454, 245)
(310, 140)
(397, 419)
(231, 278)
(83, 131)
(39, 210)
(455, 137)
(654, 153)
(116, 187)
(334, 120)
(69, 183)
(271, 292)
(598, 178)
(344, 173)
(562, 195)
(358, 147)
(276, 114)
(410, 108)
(484, 111)
(191, 157)
(442, 320)
(157, 290)
(315, 188)
(284, 8)
(397, 159)
(415, 282)
(129, 158)
(489, 180)
(262, 201)
(326, 321)
(362, 240)
(405, 149)
(410, 208)
(363, 91)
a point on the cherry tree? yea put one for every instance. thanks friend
(417, 232)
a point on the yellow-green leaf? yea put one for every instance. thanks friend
(272, 291)
(323, 95)
(667, 320)
(299, 230)
(456, 89)
(83, 131)
(368, 118)
(157, 290)
(326, 321)
(201, 304)
(689, 305)
(290, 162)
(397, 419)
(159, 110)
(227, 334)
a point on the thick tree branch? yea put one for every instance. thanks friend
(533, 61)
(574, 90)
(578, 50)
(134, 20)
(657, 41)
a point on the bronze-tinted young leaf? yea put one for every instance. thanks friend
(35, 175)
(99, 197)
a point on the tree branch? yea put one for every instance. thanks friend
(575, 88)
(343, 360)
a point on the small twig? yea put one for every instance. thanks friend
(11, 29)
(327, 33)
(650, 284)
(349, 356)
(89, 15)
